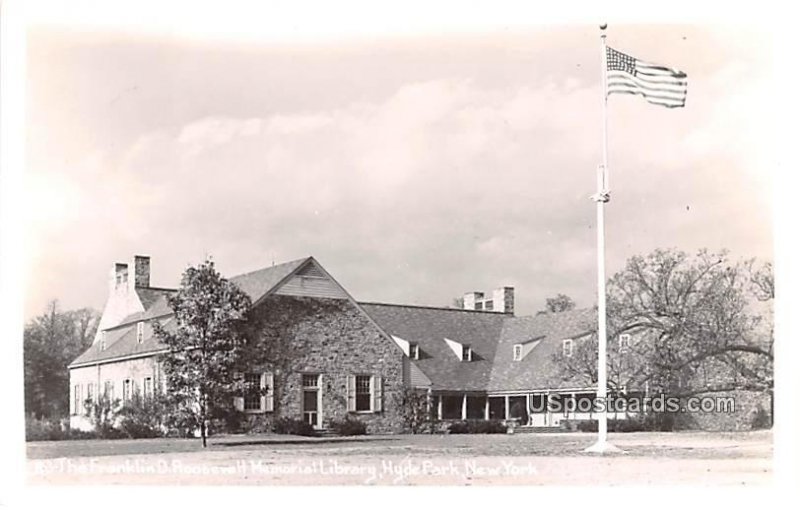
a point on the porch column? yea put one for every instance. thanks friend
(575, 404)
(506, 408)
(486, 408)
(464, 407)
(439, 408)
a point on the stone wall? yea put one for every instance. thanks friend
(334, 339)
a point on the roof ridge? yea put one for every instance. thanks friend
(302, 259)
(442, 308)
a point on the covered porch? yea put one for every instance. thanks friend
(534, 408)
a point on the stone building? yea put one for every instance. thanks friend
(477, 362)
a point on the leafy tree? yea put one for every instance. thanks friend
(560, 303)
(51, 342)
(698, 324)
(205, 346)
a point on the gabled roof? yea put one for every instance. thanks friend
(537, 370)
(428, 327)
(121, 339)
(257, 284)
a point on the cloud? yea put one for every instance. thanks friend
(441, 187)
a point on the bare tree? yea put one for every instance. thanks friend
(693, 322)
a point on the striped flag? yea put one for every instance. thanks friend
(657, 84)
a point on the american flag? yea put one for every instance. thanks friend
(657, 84)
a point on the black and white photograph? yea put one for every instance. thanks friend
(332, 245)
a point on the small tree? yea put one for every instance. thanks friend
(204, 346)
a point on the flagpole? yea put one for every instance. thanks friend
(601, 197)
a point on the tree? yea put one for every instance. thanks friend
(560, 303)
(205, 346)
(51, 342)
(698, 324)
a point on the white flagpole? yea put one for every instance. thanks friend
(602, 445)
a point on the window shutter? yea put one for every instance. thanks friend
(270, 397)
(377, 394)
(351, 393)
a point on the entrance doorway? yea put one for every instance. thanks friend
(312, 401)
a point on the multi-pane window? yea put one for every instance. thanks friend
(363, 393)
(413, 351)
(566, 347)
(311, 399)
(147, 387)
(252, 395)
(624, 342)
(466, 353)
(127, 390)
(517, 352)
(77, 399)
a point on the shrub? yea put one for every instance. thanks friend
(478, 427)
(143, 417)
(293, 427)
(349, 427)
(102, 416)
(761, 419)
(416, 410)
(43, 429)
(622, 425)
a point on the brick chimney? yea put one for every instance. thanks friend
(141, 271)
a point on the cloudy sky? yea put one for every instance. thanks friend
(414, 166)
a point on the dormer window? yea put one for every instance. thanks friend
(413, 351)
(139, 332)
(517, 352)
(466, 353)
(624, 342)
(566, 347)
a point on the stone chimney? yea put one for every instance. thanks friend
(504, 300)
(141, 271)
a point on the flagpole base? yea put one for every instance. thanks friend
(603, 447)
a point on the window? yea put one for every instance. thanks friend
(488, 305)
(252, 395)
(363, 393)
(147, 387)
(413, 351)
(126, 390)
(311, 399)
(139, 332)
(108, 390)
(76, 409)
(102, 340)
(479, 305)
(517, 352)
(90, 392)
(466, 353)
(567, 347)
(624, 342)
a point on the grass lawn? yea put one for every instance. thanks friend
(683, 457)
